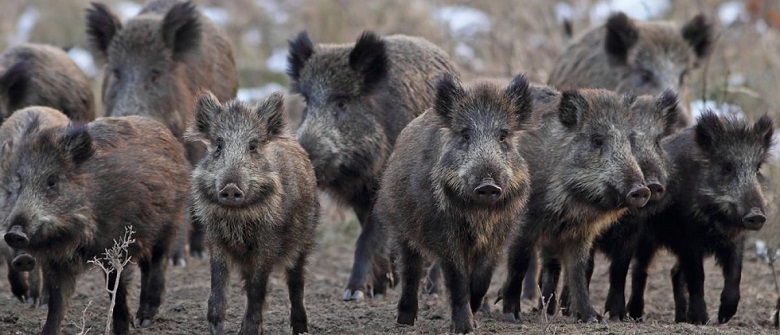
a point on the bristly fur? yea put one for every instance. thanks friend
(272, 111)
(448, 92)
(369, 58)
(15, 82)
(622, 34)
(102, 25)
(301, 49)
(78, 143)
(181, 29)
(699, 33)
(571, 107)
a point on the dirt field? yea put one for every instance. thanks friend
(184, 308)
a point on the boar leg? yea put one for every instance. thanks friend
(197, 247)
(551, 273)
(565, 294)
(616, 298)
(256, 284)
(531, 280)
(370, 244)
(480, 282)
(519, 257)
(411, 271)
(152, 287)
(731, 261)
(645, 252)
(457, 282)
(692, 267)
(60, 285)
(220, 277)
(576, 269)
(295, 281)
(680, 294)
(19, 286)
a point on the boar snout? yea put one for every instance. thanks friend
(16, 238)
(24, 263)
(487, 191)
(754, 220)
(656, 189)
(231, 195)
(638, 197)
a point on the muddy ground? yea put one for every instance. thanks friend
(184, 308)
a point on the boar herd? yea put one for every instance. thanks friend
(437, 169)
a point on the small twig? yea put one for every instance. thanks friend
(115, 259)
(83, 329)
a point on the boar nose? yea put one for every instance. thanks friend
(754, 220)
(23, 262)
(487, 191)
(638, 197)
(656, 189)
(16, 238)
(231, 195)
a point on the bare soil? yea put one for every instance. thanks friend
(184, 308)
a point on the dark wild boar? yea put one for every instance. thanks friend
(256, 193)
(584, 178)
(76, 189)
(453, 185)
(42, 75)
(157, 62)
(358, 98)
(717, 197)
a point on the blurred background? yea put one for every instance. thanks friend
(486, 38)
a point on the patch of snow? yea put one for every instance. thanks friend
(278, 61)
(219, 16)
(84, 60)
(274, 10)
(127, 9)
(254, 94)
(464, 51)
(731, 12)
(761, 26)
(641, 10)
(736, 79)
(762, 251)
(698, 107)
(463, 21)
(563, 11)
(252, 37)
(24, 26)
(775, 152)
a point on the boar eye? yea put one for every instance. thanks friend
(464, 134)
(597, 140)
(502, 136)
(117, 73)
(154, 76)
(51, 182)
(647, 76)
(253, 146)
(219, 145)
(727, 168)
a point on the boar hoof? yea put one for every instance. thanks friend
(349, 295)
(513, 317)
(215, 329)
(406, 319)
(138, 323)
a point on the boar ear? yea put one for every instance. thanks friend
(181, 30)
(207, 106)
(519, 95)
(102, 26)
(15, 82)
(667, 105)
(448, 93)
(708, 129)
(369, 59)
(765, 129)
(272, 112)
(698, 32)
(78, 143)
(301, 49)
(622, 34)
(571, 108)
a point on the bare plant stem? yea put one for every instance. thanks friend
(115, 259)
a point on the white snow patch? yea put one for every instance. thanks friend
(253, 94)
(127, 9)
(463, 21)
(253, 37)
(84, 60)
(640, 10)
(725, 109)
(24, 26)
(775, 152)
(278, 61)
(563, 11)
(464, 51)
(731, 12)
(736, 79)
(219, 16)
